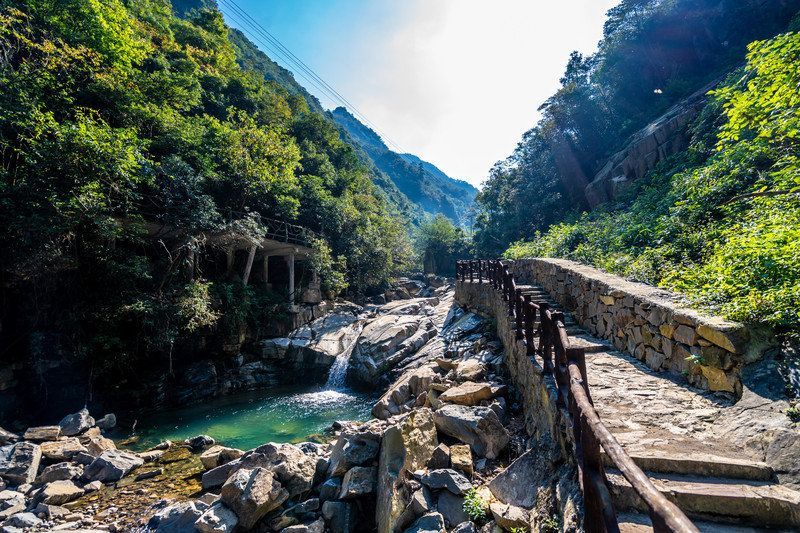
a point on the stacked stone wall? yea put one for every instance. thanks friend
(648, 323)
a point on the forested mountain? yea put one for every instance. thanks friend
(118, 116)
(421, 182)
(637, 168)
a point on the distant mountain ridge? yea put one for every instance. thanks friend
(413, 186)
(422, 182)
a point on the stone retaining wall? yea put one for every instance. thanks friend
(649, 323)
(545, 422)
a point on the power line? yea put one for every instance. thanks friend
(304, 70)
(270, 42)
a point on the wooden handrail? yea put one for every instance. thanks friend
(567, 365)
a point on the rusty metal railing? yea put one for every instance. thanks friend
(567, 364)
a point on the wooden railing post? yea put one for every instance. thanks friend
(471, 266)
(518, 313)
(480, 271)
(530, 316)
(545, 348)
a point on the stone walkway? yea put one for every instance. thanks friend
(650, 412)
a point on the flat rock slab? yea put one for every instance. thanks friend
(469, 393)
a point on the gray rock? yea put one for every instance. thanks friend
(19, 462)
(446, 478)
(405, 449)
(217, 455)
(177, 518)
(216, 477)
(302, 512)
(351, 450)
(330, 489)
(440, 457)
(50, 511)
(518, 484)
(112, 465)
(318, 526)
(59, 492)
(429, 523)
(251, 494)
(42, 433)
(94, 486)
(200, 442)
(76, 423)
(217, 519)
(340, 516)
(294, 469)
(108, 421)
(22, 520)
(480, 427)
(451, 508)
(59, 472)
(421, 503)
(6, 437)
(358, 481)
(63, 449)
(509, 516)
(11, 498)
(464, 527)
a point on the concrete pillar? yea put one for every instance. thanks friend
(249, 266)
(266, 269)
(290, 260)
(229, 261)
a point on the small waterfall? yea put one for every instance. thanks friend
(338, 372)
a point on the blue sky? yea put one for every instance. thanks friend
(456, 82)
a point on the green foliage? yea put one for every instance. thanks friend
(654, 53)
(194, 306)
(440, 244)
(551, 524)
(475, 507)
(329, 269)
(119, 120)
(720, 223)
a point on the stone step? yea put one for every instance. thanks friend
(698, 464)
(641, 523)
(740, 502)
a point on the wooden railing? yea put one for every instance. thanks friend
(545, 336)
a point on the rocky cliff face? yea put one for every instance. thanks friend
(660, 139)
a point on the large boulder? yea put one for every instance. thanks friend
(62, 449)
(386, 342)
(217, 519)
(108, 421)
(219, 455)
(59, 472)
(359, 481)
(19, 462)
(446, 478)
(340, 516)
(76, 423)
(42, 433)
(480, 427)
(59, 492)
(518, 484)
(429, 523)
(293, 468)
(401, 396)
(468, 393)
(405, 448)
(112, 465)
(177, 518)
(251, 494)
(451, 508)
(353, 449)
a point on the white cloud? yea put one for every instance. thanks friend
(457, 82)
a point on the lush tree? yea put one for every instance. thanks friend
(440, 244)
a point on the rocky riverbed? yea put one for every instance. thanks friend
(444, 452)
